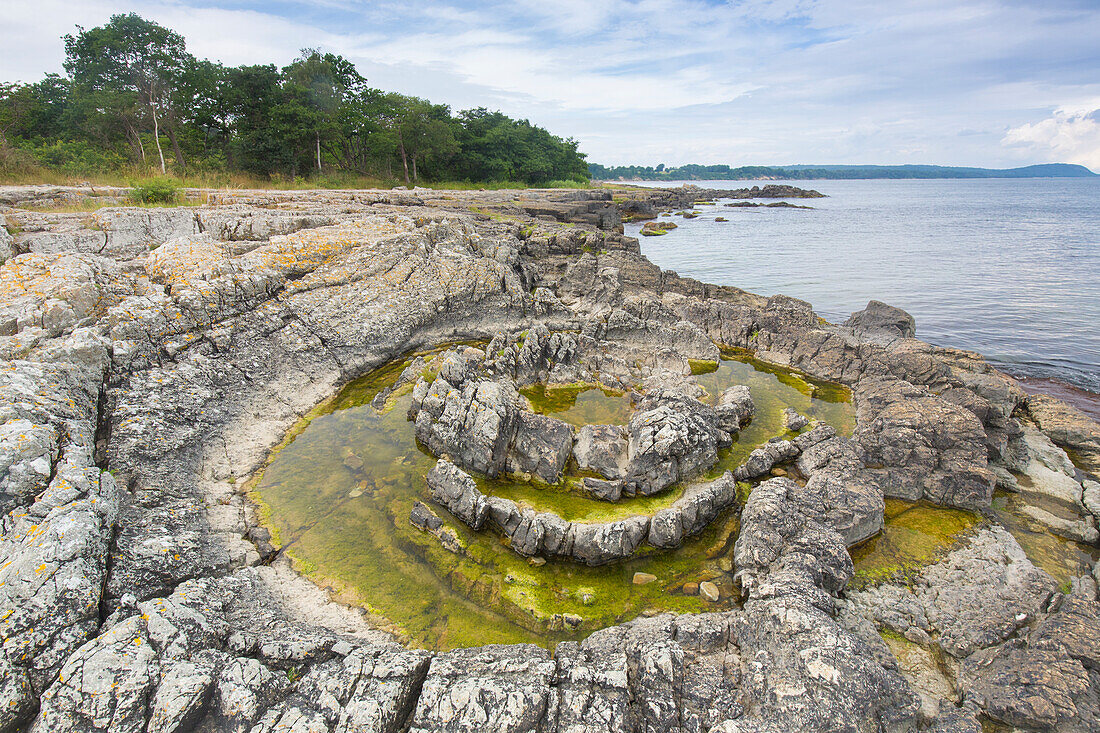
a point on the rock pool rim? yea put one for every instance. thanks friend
(390, 368)
(366, 386)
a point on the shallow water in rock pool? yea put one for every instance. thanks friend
(338, 492)
(916, 534)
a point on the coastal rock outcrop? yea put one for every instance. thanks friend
(879, 317)
(150, 366)
(920, 446)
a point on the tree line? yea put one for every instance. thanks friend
(695, 172)
(133, 96)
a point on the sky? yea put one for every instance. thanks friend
(996, 83)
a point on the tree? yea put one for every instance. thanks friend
(327, 80)
(202, 107)
(16, 103)
(130, 60)
(366, 138)
(423, 132)
(131, 78)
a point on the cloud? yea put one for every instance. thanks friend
(1070, 135)
(675, 81)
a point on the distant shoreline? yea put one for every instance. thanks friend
(624, 174)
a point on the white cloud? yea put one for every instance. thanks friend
(1070, 135)
(674, 81)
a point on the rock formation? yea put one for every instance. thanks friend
(154, 356)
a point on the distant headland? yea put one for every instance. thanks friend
(693, 172)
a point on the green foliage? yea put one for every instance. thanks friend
(136, 99)
(571, 183)
(74, 156)
(695, 172)
(156, 191)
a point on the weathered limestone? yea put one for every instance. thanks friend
(604, 449)
(839, 490)
(547, 534)
(1047, 470)
(734, 408)
(505, 688)
(672, 438)
(1068, 427)
(879, 318)
(140, 597)
(975, 598)
(691, 513)
(484, 425)
(1045, 680)
(925, 447)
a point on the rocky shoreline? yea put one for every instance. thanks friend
(154, 357)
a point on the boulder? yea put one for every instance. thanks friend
(541, 446)
(599, 544)
(456, 491)
(880, 318)
(693, 512)
(766, 457)
(672, 438)
(735, 408)
(794, 421)
(919, 446)
(603, 449)
(474, 425)
(605, 490)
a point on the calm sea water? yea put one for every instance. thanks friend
(1008, 268)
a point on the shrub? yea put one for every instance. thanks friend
(75, 157)
(569, 183)
(15, 163)
(156, 191)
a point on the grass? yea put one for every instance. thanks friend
(29, 174)
(93, 204)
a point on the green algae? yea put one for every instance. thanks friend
(702, 366)
(914, 535)
(773, 388)
(338, 492)
(579, 404)
(1062, 558)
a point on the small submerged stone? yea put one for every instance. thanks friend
(709, 591)
(691, 589)
(352, 461)
(643, 578)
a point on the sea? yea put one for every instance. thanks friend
(1009, 268)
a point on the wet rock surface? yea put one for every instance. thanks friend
(154, 357)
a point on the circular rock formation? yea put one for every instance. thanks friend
(153, 358)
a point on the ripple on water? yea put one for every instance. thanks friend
(338, 492)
